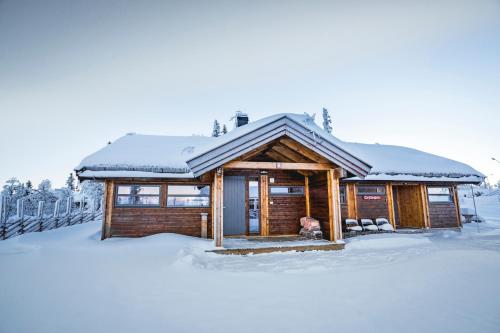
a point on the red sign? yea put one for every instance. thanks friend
(372, 197)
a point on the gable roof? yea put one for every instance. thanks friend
(155, 156)
(300, 128)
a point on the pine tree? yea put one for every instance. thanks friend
(216, 129)
(29, 185)
(327, 121)
(224, 129)
(70, 182)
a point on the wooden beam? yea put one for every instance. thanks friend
(278, 157)
(425, 205)
(457, 206)
(390, 204)
(264, 205)
(219, 207)
(254, 152)
(306, 190)
(303, 150)
(334, 217)
(278, 165)
(352, 201)
(109, 189)
(290, 154)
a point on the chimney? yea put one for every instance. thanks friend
(240, 119)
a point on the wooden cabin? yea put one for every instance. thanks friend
(262, 177)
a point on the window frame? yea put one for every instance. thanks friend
(449, 195)
(303, 193)
(343, 194)
(358, 192)
(209, 196)
(117, 195)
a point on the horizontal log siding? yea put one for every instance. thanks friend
(318, 193)
(144, 221)
(443, 215)
(285, 211)
(372, 209)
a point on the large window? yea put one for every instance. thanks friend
(371, 190)
(439, 194)
(286, 190)
(188, 196)
(138, 195)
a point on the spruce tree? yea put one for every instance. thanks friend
(70, 182)
(216, 129)
(327, 121)
(224, 129)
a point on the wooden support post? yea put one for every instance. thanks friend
(20, 214)
(264, 205)
(457, 206)
(3, 216)
(390, 204)
(57, 207)
(69, 206)
(425, 206)
(107, 209)
(306, 190)
(334, 217)
(39, 214)
(219, 207)
(352, 201)
(3, 209)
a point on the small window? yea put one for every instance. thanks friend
(188, 196)
(138, 195)
(439, 194)
(371, 190)
(286, 190)
(343, 198)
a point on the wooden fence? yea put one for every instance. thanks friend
(20, 224)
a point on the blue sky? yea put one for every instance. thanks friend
(74, 75)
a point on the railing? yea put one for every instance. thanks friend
(20, 224)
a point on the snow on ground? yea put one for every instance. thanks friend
(67, 280)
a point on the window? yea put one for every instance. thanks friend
(188, 196)
(138, 195)
(371, 190)
(286, 190)
(343, 198)
(439, 194)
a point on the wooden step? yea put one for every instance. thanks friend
(297, 248)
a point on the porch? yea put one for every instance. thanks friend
(262, 244)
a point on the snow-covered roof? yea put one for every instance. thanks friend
(154, 156)
(144, 153)
(407, 164)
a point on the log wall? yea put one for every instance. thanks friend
(285, 211)
(144, 221)
(443, 215)
(318, 192)
(372, 209)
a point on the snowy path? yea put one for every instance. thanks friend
(68, 281)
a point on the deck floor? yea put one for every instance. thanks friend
(257, 244)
